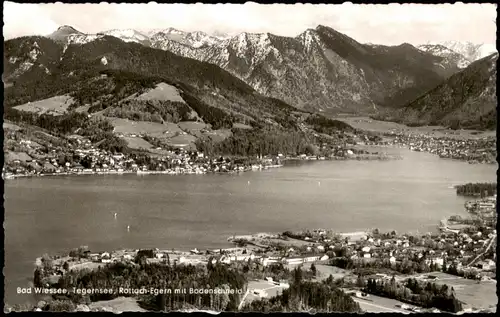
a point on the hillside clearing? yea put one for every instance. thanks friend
(56, 106)
(242, 126)
(11, 126)
(162, 91)
(138, 143)
(159, 130)
(12, 156)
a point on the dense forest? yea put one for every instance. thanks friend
(257, 142)
(157, 276)
(151, 110)
(403, 267)
(326, 125)
(477, 189)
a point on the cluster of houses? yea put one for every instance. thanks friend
(471, 150)
(82, 157)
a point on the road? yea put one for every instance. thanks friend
(243, 299)
(485, 250)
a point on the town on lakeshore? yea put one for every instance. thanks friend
(44, 157)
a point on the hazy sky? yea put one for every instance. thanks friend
(380, 24)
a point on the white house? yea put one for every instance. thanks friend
(392, 259)
(367, 255)
(320, 248)
(294, 261)
(324, 257)
(311, 259)
(365, 249)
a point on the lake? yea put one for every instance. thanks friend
(56, 214)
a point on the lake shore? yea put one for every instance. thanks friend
(358, 157)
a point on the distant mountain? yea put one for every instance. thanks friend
(471, 51)
(63, 32)
(321, 69)
(218, 97)
(465, 100)
(450, 55)
(192, 39)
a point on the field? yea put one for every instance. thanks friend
(11, 126)
(138, 143)
(365, 123)
(158, 130)
(241, 126)
(55, 106)
(162, 92)
(86, 265)
(219, 135)
(169, 132)
(182, 140)
(475, 295)
(324, 271)
(12, 156)
(270, 288)
(120, 304)
(193, 128)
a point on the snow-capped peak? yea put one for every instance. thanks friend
(127, 35)
(170, 30)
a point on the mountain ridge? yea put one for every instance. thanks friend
(321, 69)
(465, 100)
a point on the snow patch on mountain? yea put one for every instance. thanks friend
(308, 39)
(195, 39)
(127, 35)
(83, 38)
(443, 51)
(471, 51)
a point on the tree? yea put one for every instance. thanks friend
(66, 266)
(37, 278)
(313, 269)
(297, 274)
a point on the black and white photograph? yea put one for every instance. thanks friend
(313, 158)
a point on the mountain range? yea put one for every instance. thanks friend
(320, 70)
